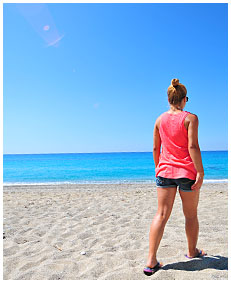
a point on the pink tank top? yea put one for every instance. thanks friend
(175, 161)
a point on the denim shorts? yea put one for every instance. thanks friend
(183, 183)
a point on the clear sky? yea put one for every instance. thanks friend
(93, 77)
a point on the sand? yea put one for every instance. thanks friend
(76, 232)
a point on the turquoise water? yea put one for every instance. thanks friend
(125, 167)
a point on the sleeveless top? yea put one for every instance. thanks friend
(175, 161)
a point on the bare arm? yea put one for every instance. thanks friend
(194, 150)
(156, 142)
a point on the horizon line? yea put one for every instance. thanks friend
(98, 152)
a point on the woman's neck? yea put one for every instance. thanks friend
(175, 108)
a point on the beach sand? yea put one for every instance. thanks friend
(101, 232)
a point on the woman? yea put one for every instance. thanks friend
(178, 165)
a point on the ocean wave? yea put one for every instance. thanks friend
(78, 183)
(216, 181)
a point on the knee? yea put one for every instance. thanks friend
(162, 217)
(190, 213)
(191, 217)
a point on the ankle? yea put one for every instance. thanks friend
(152, 261)
(192, 252)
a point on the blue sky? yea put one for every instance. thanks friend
(93, 77)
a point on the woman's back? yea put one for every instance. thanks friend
(175, 161)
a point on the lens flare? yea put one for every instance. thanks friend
(41, 20)
(46, 28)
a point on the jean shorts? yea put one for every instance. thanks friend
(183, 183)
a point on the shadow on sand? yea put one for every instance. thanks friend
(216, 262)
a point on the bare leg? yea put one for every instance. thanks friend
(190, 202)
(166, 197)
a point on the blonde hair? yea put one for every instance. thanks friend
(176, 92)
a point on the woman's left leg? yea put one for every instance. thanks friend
(166, 197)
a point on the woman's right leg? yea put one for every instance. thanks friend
(190, 202)
(166, 197)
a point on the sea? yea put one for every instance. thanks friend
(96, 168)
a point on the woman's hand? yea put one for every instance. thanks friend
(199, 181)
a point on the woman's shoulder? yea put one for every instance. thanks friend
(162, 115)
(190, 118)
(158, 120)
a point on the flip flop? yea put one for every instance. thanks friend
(200, 253)
(150, 271)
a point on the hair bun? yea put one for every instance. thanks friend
(175, 82)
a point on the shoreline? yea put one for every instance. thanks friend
(151, 182)
(97, 187)
(77, 232)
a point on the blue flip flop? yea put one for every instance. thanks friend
(200, 253)
(150, 271)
